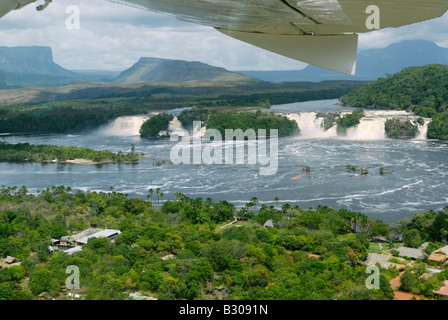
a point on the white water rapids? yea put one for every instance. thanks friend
(371, 126)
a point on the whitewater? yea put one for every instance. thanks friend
(417, 181)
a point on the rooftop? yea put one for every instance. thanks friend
(440, 254)
(410, 252)
(97, 234)
(444, 290)
(72, 250)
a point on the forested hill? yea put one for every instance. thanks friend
(422, 90)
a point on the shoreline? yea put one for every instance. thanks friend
(81, 161)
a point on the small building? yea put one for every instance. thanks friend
(442, 293)
(411, 253)
(440, 255)
(84, 236)
(383, 260)
(10, 260)
(432, 271)
(269, 224)
(110, 234)
(168, 257)
(74, 243)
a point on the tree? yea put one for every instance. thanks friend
(276, 199)
(200, 271)
(169, 287)
(150, 193)
(5, 291)
(379, 228)
(152, 127)
(254, 201)
(44, 280)
(412, 238)
(409, 282)
(158, 194)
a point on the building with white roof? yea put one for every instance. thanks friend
(75, 242)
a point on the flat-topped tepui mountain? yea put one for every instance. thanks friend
(165, 70)
(33, 65)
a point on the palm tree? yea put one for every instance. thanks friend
(162, 196)
(276, 199)
(149, 196)
(254, 200)
(247, 207)
(178, 195)
(111, 188)
(158, 194)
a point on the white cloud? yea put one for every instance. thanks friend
(435, 30)
(113, 37)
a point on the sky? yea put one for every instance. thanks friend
(113, 37)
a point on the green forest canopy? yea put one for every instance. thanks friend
(215, 119)
(48, 153)
(248, 262)
(86, 108)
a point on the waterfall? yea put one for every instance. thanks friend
(311, 126)
(371, 126)
(124, 126)
(423, 130)
(198, 130)
(175, 127)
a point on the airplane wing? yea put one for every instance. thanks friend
(318, 32)
(9, 5)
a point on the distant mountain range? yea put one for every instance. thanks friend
(34, 66)
(371, 64)
(157, 70)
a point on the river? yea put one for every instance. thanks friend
(417, 183)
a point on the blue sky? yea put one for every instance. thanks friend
(113, 37)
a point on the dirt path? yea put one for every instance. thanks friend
(229, 224)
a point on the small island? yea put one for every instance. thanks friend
(152, 127)
(158, 126)
(400, 129)
(349, 120)
(23, 152)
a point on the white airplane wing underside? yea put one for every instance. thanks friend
(335, 52)
(319, 32)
